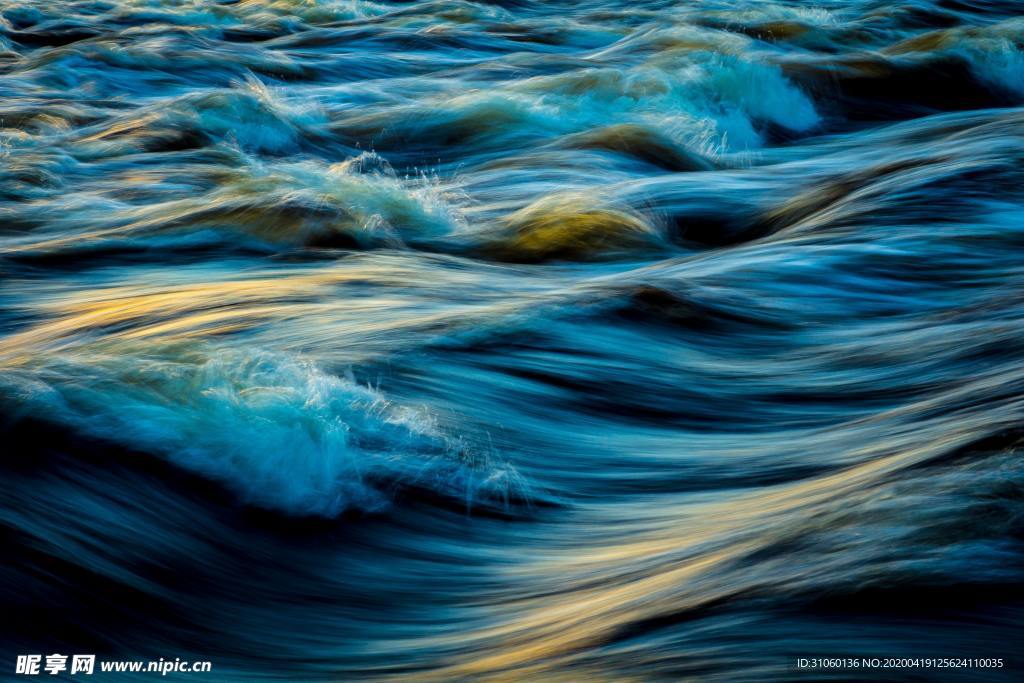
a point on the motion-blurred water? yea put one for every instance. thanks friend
(513, 340)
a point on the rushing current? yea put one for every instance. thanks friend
(609, 340)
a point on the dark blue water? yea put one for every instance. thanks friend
(576, 341)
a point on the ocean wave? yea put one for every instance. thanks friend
(280, 432)
(248, 115)
(705, 102)
(658, 340)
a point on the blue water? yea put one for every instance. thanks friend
(575, 341)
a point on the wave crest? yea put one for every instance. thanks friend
(277, 430)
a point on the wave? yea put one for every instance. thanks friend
(360, 202)
(705, 102)
(493, 340)
(280, 432)
(249, 116)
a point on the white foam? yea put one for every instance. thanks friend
(703, 100)
(372, 204)
(277, 430)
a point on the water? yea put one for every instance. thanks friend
(513, 340)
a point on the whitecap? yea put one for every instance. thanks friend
(278, 430)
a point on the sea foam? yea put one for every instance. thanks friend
(279, 431)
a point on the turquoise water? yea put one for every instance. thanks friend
(513, 340)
